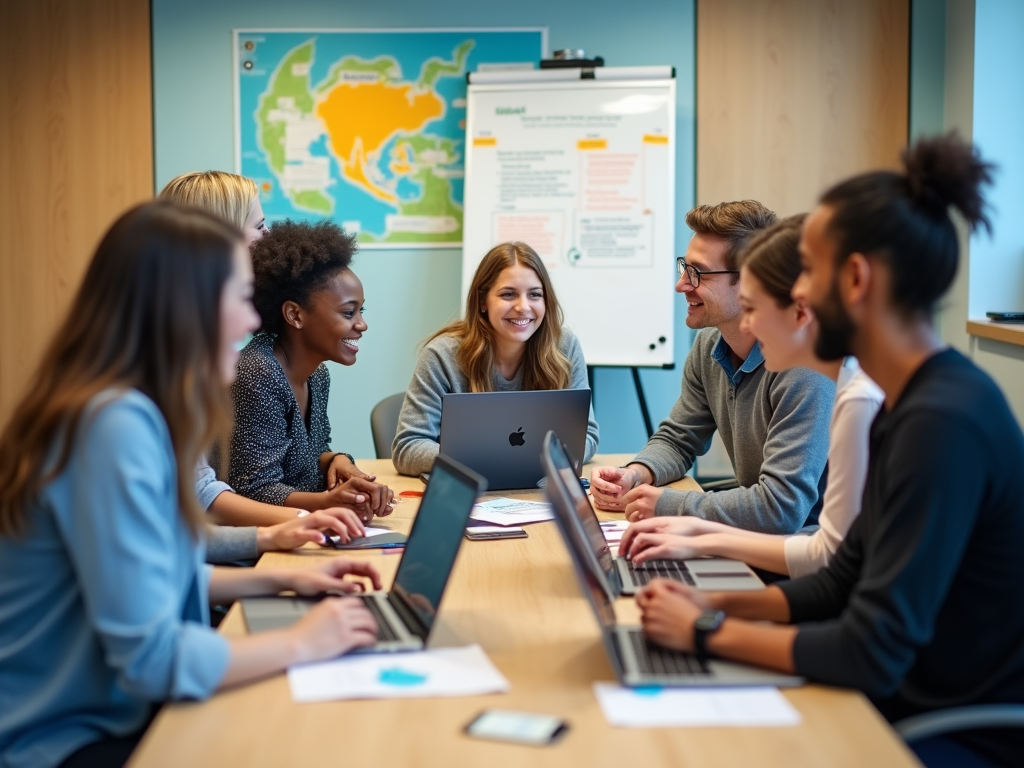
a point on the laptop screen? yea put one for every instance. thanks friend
(434, 541)
(581, 509)
(561, 494)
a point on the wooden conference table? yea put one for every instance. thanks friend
(518, 599)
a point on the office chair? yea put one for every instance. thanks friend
(384, 424)
(946, 721)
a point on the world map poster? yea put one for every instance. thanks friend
(366, 127)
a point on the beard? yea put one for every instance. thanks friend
(835, 328)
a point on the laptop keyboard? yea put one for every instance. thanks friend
(654, 660)
(642, 573)
(384, 631)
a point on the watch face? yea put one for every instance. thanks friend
(709, 621)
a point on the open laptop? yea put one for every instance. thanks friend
(636, 661)
(499, 434)
(619, 575)
(405, 615)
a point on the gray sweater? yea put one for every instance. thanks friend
(774, 427)
(437, 374)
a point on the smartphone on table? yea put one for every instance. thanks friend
(517, 727)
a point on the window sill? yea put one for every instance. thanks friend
(1008, 333)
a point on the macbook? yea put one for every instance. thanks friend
(636, 661)
(405, 615)
(500, 434)
(618, 575)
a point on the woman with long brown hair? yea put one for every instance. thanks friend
(103, 590)
(511, 339)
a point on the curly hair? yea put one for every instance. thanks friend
(294, 260)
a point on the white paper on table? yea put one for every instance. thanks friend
(657, 707)
(421, 674)
(372, 530)
(505, 511)
(613, 530)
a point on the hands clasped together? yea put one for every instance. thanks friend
(349, 486)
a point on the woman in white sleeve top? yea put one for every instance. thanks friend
(773, 310)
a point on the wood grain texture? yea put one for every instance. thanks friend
(519, 599)
(1008, 333)
(76, 149)
(794, 95)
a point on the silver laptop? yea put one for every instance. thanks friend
(405, 615)
(499, 434)
(619, 575)
(635, 660)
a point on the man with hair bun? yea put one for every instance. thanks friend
(920, 606)
(774, 425)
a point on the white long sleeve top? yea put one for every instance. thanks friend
(857, 401)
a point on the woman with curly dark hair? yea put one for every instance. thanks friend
(311, 310)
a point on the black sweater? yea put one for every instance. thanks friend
(921, 607)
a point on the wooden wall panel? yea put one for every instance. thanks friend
(76, 149)
(793, 95)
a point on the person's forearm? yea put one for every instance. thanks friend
(230, 584)
(260, 655)
(767, 604)
(760, 550)
(325, 461)
(231, 509)
(758, 644)
(307, 500)
(646, 477)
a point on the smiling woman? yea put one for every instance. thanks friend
(511, 339)
(311, 310)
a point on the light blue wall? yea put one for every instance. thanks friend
(982, 83)
(409, 294)
(997, 262)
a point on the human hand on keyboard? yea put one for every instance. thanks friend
(330, 576)
(668, 610)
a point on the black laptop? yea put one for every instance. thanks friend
(405, 615)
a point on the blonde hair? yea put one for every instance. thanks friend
(544, 366)
(222, 194)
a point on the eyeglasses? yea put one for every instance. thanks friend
(694, 275)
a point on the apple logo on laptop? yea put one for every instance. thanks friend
(517, 438)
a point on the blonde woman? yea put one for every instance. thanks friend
(511, 339)
(233, 198)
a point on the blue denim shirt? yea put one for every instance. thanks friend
(103, 600)
(720, 354)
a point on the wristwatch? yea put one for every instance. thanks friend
(706, 624)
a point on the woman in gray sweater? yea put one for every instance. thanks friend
(511, 339)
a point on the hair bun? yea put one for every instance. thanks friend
(945, 171)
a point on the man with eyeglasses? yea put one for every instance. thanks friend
(774, 425)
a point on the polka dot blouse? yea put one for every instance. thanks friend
(273, 451)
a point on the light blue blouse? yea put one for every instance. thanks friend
(103, 600)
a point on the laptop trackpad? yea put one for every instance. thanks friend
(719, 573)
(266, 613)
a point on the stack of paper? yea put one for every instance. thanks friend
(680, 707)
(423, 674)
(504, 511)
(613, 530)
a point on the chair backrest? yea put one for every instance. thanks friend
(384, 424)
